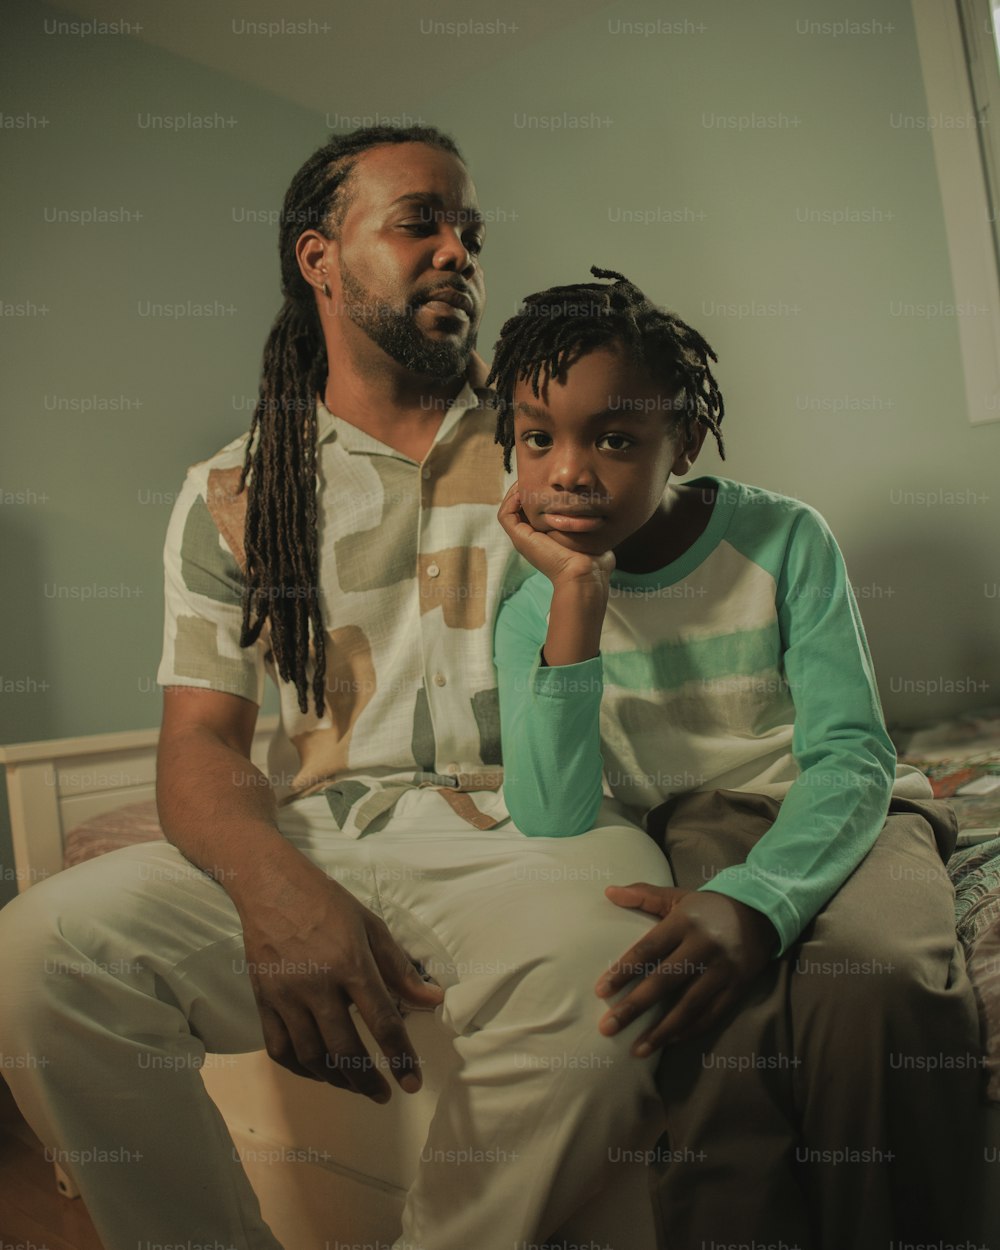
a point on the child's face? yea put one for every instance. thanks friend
(594, 451)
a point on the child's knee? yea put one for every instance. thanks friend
(875, 983)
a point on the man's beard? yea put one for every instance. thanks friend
(399, 336)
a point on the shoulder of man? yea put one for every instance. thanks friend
(215, 484)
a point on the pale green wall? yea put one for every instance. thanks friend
(99, 485)
(927, 576)
(730, 199)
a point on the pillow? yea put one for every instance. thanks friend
(135, 822)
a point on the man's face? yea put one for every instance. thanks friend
(412, 232)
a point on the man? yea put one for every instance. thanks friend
(350, 549)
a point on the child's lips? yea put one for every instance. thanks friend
(573, 522)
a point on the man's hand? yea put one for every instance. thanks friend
(703, 954)
(559, 564)
(312, 950)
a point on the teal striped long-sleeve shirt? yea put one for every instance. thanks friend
(742, 665)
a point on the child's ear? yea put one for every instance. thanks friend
(689, 445)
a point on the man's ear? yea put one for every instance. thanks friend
(318, 260)
(688, 448)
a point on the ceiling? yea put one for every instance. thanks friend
(375, 56)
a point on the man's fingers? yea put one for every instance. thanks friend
(346, 1060)
(400, 975)
(379, 1012)
(413, 990)
(387, 1028)
(278, 1043)
(282, 1048)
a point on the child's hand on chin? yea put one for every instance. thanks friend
(559, 564)
(704, 953)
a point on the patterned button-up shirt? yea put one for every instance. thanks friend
(413, 565)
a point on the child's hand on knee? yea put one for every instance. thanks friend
(703, 953)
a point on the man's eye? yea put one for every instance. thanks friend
(424, 227)
(616, 442)
(536, 440)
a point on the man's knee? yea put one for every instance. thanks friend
(40, 960)
(102, 915)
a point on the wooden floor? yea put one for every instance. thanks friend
(33, 1213)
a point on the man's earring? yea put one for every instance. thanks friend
(326, 290)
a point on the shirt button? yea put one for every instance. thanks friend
(426, 472)
(440, 679)
(452, 768)
(433, 570)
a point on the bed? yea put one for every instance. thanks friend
(317, 1155)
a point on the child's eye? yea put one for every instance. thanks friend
(537, 440)
(616, 442)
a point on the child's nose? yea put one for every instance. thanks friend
(573, 471)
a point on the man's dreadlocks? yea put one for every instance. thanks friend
(282, 571)
(556, 327)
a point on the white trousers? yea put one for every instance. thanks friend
(123, 971)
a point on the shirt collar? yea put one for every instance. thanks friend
(353, 439)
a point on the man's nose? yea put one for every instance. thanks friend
(454, 255)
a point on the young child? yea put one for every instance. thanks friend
(695, 651)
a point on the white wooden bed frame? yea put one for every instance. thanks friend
(328, 1167)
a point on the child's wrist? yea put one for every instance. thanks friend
(588, 595)
(576, 619)
(596, 581)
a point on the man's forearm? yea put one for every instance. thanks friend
(312, 949)
(218, 809)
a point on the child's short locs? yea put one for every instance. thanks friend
(556, 327)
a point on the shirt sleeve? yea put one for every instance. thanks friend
(549, 723)
(836, 807)
(203, 614)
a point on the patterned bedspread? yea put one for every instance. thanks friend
(962, 759)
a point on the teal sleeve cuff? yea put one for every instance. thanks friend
(741, 883)
(568, 681)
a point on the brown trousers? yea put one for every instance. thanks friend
(837, 1106)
